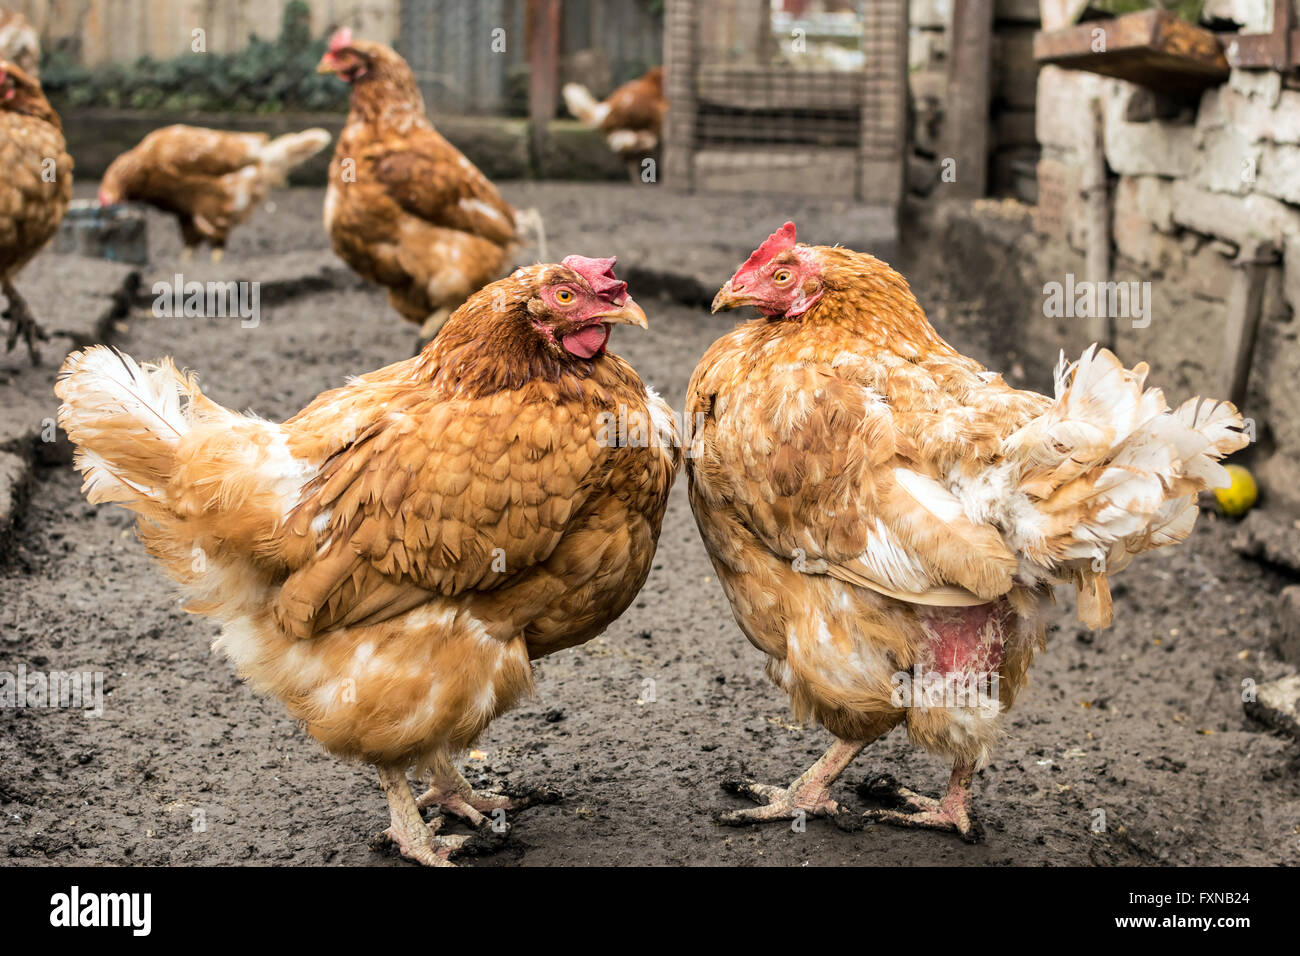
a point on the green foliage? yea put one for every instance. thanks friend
(263, 77)
(1189, 10)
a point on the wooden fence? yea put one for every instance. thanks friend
(470, 55)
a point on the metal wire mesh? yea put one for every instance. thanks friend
(779, 92)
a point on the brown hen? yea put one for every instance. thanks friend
(389, 560)
(211, 180)
(35, 190)
(404, 207)
(20, 44)
(631, 118)
(888, 517)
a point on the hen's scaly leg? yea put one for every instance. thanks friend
(21, 323)
(810, 794)
(218, 253)
(452, 793)
(950, 812)
(414, 839)
(187, 255)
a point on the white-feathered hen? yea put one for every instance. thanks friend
(880, 507)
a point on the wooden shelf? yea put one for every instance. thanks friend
(1153, 48)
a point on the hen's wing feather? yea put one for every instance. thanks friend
(443, 496)
(185, 152)
(430, 179)
(823, 477)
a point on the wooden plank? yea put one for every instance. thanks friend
(1244, 307)
(821, 172)
(969, 86)
(772, 88)
(1275, 50)
(1096, 197)
(1153, 48)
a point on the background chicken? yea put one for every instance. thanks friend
(404, 208)
(630, 118)
(876, 504)
(389, 560)
(20, 44)
(212, 180)
(35, 190)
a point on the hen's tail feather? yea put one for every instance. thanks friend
(583, 105)
(126, 421)
(1112, 471)
(282, 154)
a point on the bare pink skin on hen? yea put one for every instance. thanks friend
(590, 340)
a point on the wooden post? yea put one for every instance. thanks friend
(543, 28)
(970, 78)
(1245, 303)
(681, 55)
(1096, 195)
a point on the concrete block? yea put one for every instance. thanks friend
(1265, 84)
(1270, 538)
(1137, 240)
(1155, 201)
(1143, 221)
(1061, 110)
(1277, 704)
(1144, 149)
(1228, 162)
(1209, 272)
(1278, 172)
(1059, 202)
(1238, 219)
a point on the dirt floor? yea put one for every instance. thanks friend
(1142, 722)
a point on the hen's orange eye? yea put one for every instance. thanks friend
(783, 276)
(564, 297)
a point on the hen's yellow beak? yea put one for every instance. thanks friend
(629, 313)
(728, 298)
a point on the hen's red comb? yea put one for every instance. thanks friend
(341, 40)
(773, 245)
(599, 274)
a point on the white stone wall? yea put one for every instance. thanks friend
(1189, 190)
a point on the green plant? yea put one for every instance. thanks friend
(263, 77)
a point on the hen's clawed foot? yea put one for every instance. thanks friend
(22, 324)
(781, 803)
(422, 844)
(414, 839)
(907, 808)
(484, 810)
(808, 796)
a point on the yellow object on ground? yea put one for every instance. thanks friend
(1241, 495)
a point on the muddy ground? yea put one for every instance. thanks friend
(1142, 722)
